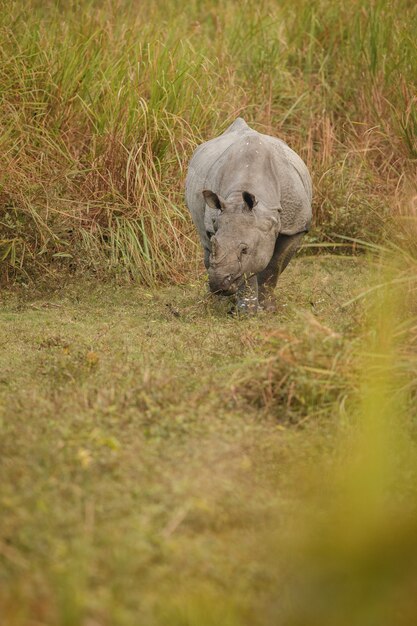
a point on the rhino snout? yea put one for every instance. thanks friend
(222, 284)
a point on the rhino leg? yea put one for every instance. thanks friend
(285, 248)
(247, 297)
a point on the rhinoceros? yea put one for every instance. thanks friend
(249, 196)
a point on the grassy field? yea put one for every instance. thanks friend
(163, 463)
(102, 105)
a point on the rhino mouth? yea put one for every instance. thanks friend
(227, 292)
(226, 286)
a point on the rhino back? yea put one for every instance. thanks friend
(244, 160)
(202, 161)
(295, 187)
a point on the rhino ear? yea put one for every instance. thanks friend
(213, 200)
(249, 200)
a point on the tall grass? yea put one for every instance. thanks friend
(102, 105)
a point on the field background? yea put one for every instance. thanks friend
(103, 103)
(161, 462)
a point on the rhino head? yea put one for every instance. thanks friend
(244, 240)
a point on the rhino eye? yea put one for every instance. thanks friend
(244, 250)
(209, 234)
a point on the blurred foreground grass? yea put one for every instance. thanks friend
(162, 464)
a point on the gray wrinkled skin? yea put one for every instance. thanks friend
(250, 199)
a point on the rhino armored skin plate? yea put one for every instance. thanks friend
(250, 197)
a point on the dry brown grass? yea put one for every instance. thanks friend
(101, 115)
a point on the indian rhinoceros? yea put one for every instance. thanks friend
(250, 196)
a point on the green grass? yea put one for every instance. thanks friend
(102, 106)
(150, 474)
(161, 462)
(133, 464)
